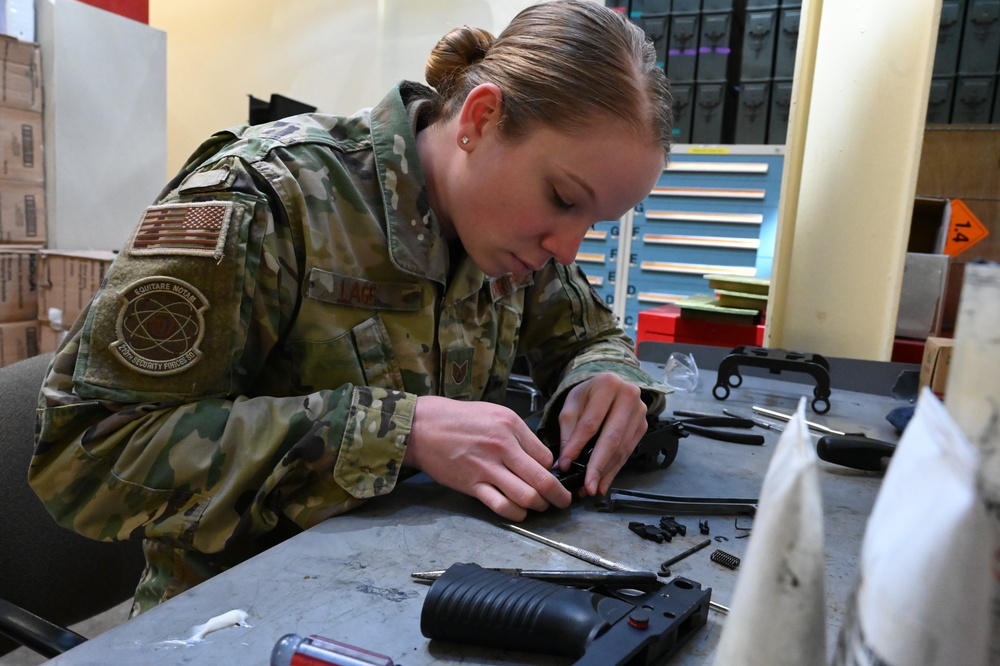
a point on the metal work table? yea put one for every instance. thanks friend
(348, 578)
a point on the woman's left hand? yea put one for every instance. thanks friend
(608, 404)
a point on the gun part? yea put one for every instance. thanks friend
(578, 553)
(665, 567)
(480, 607)
(863, 453)
(588, 556)
(671, 504)
(637, 579)
(727, 560)
(684, 412)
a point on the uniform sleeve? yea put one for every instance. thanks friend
(569, 335)
(151, 423)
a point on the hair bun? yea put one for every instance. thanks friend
(453, 54)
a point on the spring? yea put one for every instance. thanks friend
(725, 559)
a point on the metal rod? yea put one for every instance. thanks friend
(758, 422)
(578, 553)
(687, 553)
(697, 415)
(787, 417)
(718, 608)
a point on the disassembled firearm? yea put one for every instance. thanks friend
(469, 604)
(620, 579)
(588, 556)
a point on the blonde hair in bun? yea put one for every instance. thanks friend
(454, 53)
(567, 64)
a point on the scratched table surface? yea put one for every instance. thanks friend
(348, 578)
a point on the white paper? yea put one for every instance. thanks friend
(778, 612)
(924, 576)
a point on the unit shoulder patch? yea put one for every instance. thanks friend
(160, 326)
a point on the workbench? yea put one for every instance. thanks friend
(349, 579)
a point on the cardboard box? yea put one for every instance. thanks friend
(49, 338)
(935, 364)
(23, 216)
(18, 341)
(921, 298)
(67, 280)
(21, 156)
(18, 283)
(21, 69)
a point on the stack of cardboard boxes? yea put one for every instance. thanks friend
(22, 197)
(41, 291)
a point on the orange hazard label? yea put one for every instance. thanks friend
(964, 229)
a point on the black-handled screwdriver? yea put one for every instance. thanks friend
(855, 451)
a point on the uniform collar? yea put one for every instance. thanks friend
(415, 242)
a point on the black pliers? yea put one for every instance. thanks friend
(706, 427)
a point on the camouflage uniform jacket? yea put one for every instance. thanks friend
(252, 361)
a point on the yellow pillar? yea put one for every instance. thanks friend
(862, 79)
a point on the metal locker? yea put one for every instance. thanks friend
(709, 114)
(753, 102)
(650, 7)
(949, 38)
(682, 52)
(980, 38)
(715, 46)
(681, 6)
(788, 40)
(759, 38)
(683, 98)
(656, 30)
(939, 102)
(973, 99)
(781, 103)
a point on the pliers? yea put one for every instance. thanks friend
(706, 427)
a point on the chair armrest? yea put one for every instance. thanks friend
(35, 633)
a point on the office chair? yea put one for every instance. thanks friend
(50, 577)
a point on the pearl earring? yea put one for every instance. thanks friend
(465, 140)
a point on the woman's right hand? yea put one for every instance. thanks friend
(484, 450)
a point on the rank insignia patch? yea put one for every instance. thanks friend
(186, 229)
(459, 371)
(160, 326)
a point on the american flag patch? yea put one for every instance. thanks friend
(186, 229)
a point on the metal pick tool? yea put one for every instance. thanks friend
(588, 556)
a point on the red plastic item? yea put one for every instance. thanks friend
(664, 323)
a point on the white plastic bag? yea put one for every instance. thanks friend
(778, 612)
(924, 581)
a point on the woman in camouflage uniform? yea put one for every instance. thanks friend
(315, 303)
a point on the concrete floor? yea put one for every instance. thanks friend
(89, 628)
